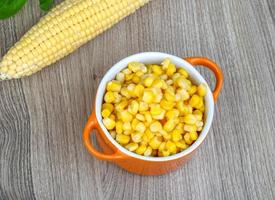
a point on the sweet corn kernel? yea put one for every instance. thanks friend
(187, 138)
(171, 147)
(132, 146)
(145, 140)
(167, 105)
(119, 127)
(131, 88)
(164, 84)
(149, 134)
(162, 146)
(171, 69)
(117, 97)
(165, 153)
(169, 95)
(127, 132)
(158, 83)
(114, 86)
(194, 136)
(177, 120)
(108, 106)
(166, 63)
(135, 66)
(190, 128)
(183, 72)
(147, 124)
(140, 127)
(155, 142)
(169, 82)
(139, 73)
(143, 106)
(202, 108)
(120, 77)
(183, 83)
(157, 94)
(121, 105)
(126, 116)
(125, 92)
(109, 123)
(148, 151)
(138, 91)
(192, 90)
(113, 134)
(176, 135)
(194, 101)
(155, 109)
(126, 71)
(169, 125)
(199, 123)
(129, 77)
(137, 137)
(149, 68)
(140, 117)
(201, 90)
(127, 126)
(109, 97)
(155, 126)
(176, 76)
(148, 81)
(143, 68)
(167, 136)
(164, 77)
(190, 119)
(184, 109)
(134, 123)
(181, 144)
(148, 96)
(141, 149)
(133, 107)
(159, 116)
(122, 139)
(105, 113)
(171, 114)
(184, 95)
(136, 79)
(157, 70)
(148, 117)
(180, 127)
(113, 117)
(198, 114)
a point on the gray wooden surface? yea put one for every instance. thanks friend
(42, 117)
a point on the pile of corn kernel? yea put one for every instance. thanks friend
(153, 110)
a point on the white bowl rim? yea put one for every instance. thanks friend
(148, 57)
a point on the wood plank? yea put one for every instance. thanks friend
(42, 117)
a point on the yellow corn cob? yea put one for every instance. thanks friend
(64, 29)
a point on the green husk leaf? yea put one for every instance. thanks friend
(45, 4)
(9, 8)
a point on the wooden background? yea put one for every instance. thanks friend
(42, 117)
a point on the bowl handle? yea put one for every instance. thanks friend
(214, 68)
(93, 124)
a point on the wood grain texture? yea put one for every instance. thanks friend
(41, 117)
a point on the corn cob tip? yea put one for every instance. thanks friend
(4, 76)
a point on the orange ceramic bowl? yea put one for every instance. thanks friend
(114, 152)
